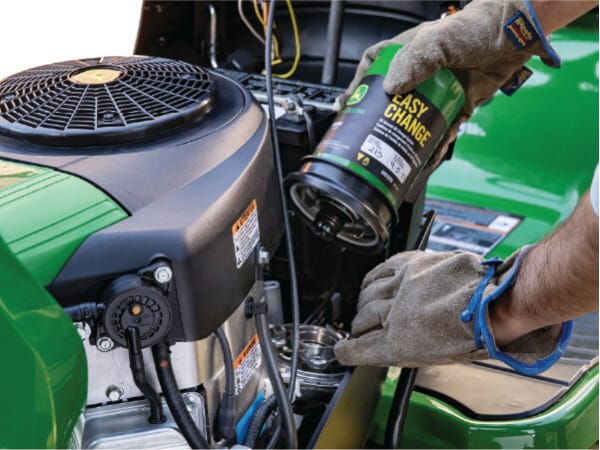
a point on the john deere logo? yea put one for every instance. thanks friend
(358, 94)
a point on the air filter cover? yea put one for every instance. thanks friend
(103, 100)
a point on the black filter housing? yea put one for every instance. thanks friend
(185, 151)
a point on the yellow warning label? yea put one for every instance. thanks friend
(366, 161)
(246, 234)
(244, 217)
(360, 156)
(246, 351)
(246, 364)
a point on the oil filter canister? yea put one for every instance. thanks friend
(352, 186)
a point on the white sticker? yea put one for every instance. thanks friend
(464, 227)
(247, 362)
(386, 155)
(246, 234)
(504, 223)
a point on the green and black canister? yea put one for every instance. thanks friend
(352, 186)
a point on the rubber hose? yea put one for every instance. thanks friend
(138, 372)
(166, 378)
(289, 245)
(400, 403)
(285, 407)
(226, 420)
(259, 419)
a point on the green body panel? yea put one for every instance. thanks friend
(532, 154)
(45, 215)
(44, 375)
(432, 423)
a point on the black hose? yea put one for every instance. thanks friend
(85, 311)
(285, 408)
(136, 362)
(226, 420)
(399, 406)
(295, 341)
(274, 437)
(166, 378)
(258, 420)
(334, 38)
(408, 375)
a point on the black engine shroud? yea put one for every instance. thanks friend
(185, 176)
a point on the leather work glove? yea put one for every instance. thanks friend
(418, 309)
(485, 45)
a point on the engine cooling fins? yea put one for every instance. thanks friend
(103, 100)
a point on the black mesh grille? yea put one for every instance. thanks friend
(149, 93)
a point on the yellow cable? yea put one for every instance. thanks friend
(263, 20)
(290, 72)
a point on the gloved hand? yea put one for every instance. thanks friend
(420, 308)
(485, 45)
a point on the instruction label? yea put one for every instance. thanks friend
(246, 363)
(385, 139)
(246, 234)
(463, 227)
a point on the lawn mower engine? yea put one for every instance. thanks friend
(183, 157)
(141, 192)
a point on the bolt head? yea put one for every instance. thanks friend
(114, 393)
(263, 256)
(105, 344)
(163, 274)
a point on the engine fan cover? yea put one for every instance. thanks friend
(103, 100)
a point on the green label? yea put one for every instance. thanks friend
(358, 94)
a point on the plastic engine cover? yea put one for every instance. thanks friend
(186, 152)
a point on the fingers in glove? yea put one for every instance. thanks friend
(448, 42)
(370, 317)
(366, 60)
(366, 350)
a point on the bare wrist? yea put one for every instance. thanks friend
(510, 317)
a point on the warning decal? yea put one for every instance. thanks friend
(246, 234)
(246, 364)
(470, 228)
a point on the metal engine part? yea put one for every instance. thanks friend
(125, 425)
(319, 373)
(110, 370)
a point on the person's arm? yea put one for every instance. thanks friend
(554, 14)
(558, 279)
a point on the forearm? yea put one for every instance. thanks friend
(558, 279)
(554, 14)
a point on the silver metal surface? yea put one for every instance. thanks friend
(263, 256)
(319, 374)
(125, 425)
(163, 274)
(274, 302)
(239, 331)
(83, 330)
(107, 369)
(356, 230)
(105, 344)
